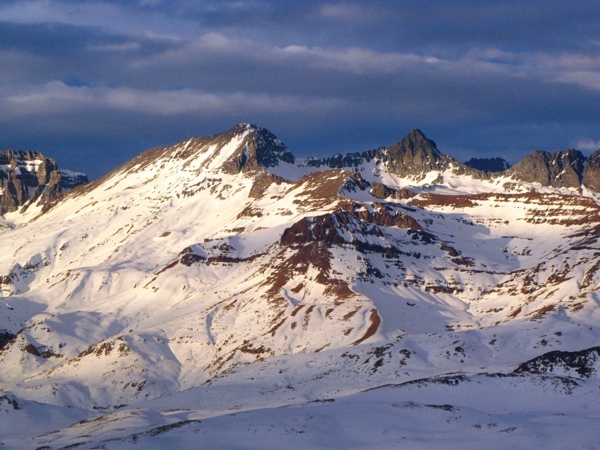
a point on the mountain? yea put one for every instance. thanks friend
(556, 169)
(488, 164)
(28, 178)
(222, 281)
(413, 157)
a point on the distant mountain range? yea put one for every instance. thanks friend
(488, 164)
(223, 289)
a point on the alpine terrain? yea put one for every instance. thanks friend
(223, 293)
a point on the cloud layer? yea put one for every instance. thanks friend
(94, 83)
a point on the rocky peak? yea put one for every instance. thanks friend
(26, 177)
(414, 154)
(557, 169)
(260, 148)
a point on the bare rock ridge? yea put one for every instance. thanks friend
(28, 177)
(556, 169)
(415, 155)
(330, 228)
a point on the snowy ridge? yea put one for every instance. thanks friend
(222, 274)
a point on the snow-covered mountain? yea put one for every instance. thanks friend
(222, 274)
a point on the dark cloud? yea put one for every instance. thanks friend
(94, 83)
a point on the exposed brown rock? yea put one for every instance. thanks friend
(373, 327)
(325, 228)
(262, 182)
(6, 338)
(382, 191)
(456, 201)
(29, 348)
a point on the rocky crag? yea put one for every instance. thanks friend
(28, 178)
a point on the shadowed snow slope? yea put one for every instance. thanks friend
(215, 281)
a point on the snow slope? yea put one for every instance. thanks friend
(222, 281)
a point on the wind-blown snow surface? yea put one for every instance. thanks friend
(218, 293)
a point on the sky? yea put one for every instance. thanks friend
(93, 83)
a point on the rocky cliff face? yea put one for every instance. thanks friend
(27, 177)
(591, 174)
(557, 169)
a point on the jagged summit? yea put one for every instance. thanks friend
(416, 142)
(414, 153)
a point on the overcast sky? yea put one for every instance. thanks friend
(93, 83)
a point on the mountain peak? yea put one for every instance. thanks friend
(414, 154)
(417, 137)
(259, 148)
(557, 169)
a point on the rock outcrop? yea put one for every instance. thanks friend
(557, 169)
(591, 174)
(28, 177)
(579, 364)
(346, 224)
